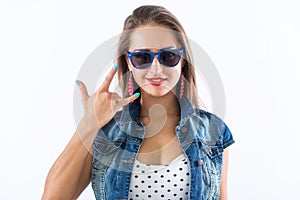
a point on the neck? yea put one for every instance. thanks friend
(167, 104)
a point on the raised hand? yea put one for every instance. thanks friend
(100, 107)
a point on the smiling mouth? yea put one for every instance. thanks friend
(156, 81)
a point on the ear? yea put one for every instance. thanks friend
(128, 63)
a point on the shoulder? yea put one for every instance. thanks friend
(212, 118)
(212, 129)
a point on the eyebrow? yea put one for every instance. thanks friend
(165, 48)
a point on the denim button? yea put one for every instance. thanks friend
(200, 162)
(184, 130)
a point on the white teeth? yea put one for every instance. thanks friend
(156, 80)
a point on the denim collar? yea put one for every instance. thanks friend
(131, 111)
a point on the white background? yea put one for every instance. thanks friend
(254, 44)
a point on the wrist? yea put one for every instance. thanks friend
(87, 130)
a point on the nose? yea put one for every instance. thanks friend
(156, 66)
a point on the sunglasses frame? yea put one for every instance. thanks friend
(153, 54)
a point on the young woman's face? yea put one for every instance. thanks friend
(156, 80)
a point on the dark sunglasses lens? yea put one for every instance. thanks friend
(141, 60)
(169, 58)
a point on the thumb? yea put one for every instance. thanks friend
(83, 90)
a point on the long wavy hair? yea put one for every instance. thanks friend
(156, 15)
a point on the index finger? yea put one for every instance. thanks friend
(108, 78)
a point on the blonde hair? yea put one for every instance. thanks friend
(158, 15)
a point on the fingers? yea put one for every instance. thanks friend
(129, 99)
(83, 90)
(116, 99)
(108, 79)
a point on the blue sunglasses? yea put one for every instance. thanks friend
(144, 59)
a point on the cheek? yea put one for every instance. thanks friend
(177, 68)
(139, 76)
(176, 78)
(175, 74)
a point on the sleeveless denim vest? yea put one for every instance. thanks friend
(202, 136)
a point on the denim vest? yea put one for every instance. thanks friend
(202, 136)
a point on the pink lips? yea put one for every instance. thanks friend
(156, 81)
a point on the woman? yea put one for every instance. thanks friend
(160, 145)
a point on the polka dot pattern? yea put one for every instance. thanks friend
(161, 181)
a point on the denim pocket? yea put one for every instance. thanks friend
(104, 151)
(212, 151)
(105, 146)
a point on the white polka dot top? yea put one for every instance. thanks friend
(161, 181)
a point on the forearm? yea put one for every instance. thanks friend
(63, 178)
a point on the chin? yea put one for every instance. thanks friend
(156, 92)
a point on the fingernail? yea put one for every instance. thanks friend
(77, 82)
(116, 67)
(137, 94)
